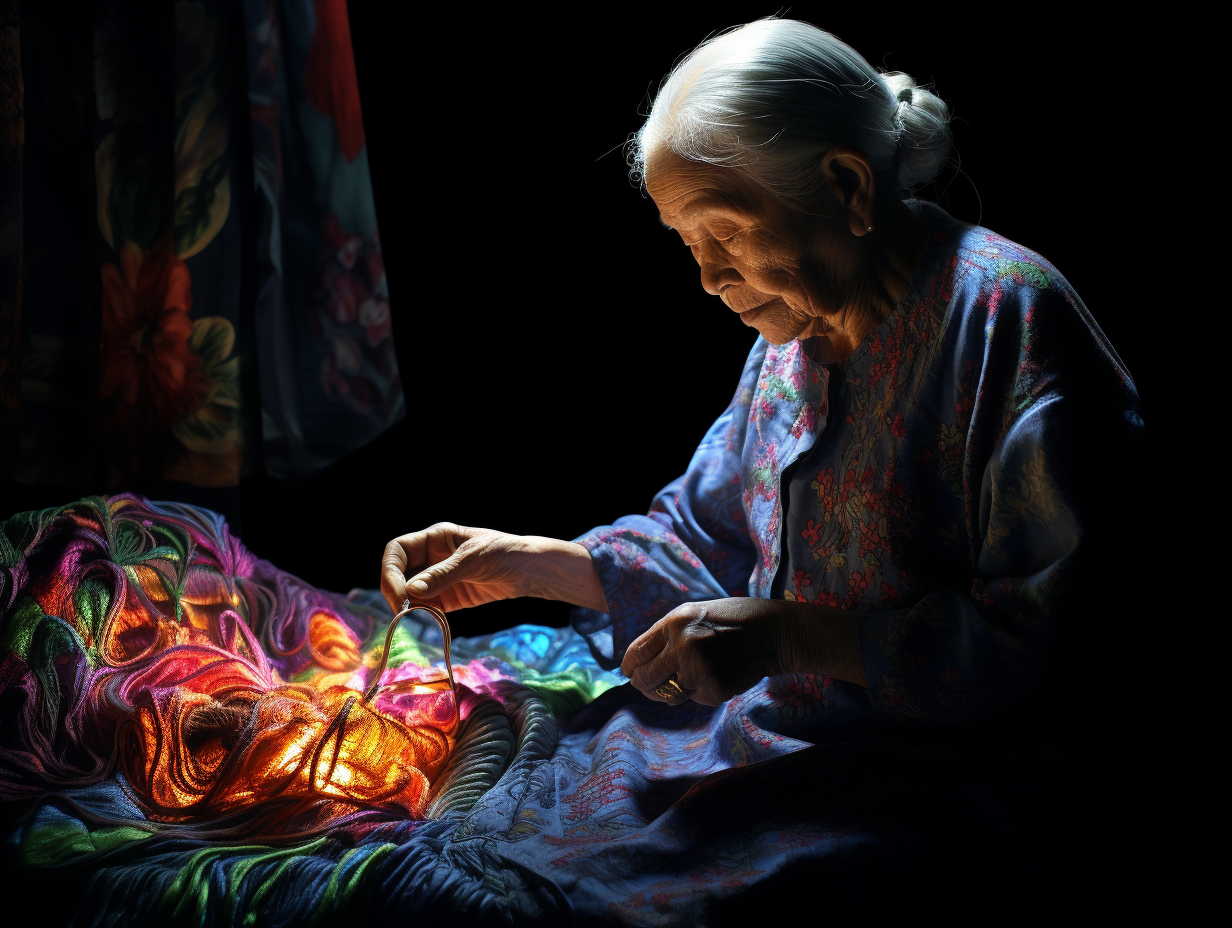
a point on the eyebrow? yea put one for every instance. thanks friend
(708, 203)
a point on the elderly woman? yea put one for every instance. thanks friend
(902, 494)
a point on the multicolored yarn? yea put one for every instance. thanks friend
(143, 638)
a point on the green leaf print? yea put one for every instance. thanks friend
(1032, 274)
(214, 427)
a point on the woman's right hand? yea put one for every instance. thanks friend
(455, 566)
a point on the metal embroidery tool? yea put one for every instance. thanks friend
(441, 621)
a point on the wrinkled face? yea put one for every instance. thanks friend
(780, 270)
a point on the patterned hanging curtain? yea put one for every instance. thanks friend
(191, 280)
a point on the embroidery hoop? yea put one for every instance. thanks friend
(443, 623)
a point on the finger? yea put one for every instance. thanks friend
(393, 574)
(644, 647)
(412, 552)
(434, 543)
(653, 673)
(462, 565)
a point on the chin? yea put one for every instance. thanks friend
(779, 336)
(779, 324)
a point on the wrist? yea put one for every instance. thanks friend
(820, 640)
(792, 645)
(564, 571)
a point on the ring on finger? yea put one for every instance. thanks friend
(670, 690)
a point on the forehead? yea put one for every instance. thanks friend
(684, 190)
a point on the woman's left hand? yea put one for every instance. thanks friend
(715, 649)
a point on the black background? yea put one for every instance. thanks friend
(538, 304)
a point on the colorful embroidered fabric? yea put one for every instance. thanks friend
(155, 154)
(955, 480)
(145, 637)
(174, 731)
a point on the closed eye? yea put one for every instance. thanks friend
(727, 237)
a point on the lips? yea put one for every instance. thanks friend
(754, 309)
(749, 316)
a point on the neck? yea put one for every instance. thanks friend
(884, 261)
(895, 248)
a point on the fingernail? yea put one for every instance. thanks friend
(419, 585)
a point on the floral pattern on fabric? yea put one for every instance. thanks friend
(323, 296)
(127, 304)
(933, 481)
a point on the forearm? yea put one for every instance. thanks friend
(564, 571)
(820, 640)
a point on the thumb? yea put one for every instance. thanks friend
(393, 578)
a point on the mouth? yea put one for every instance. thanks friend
(753, 309)
(749, 316)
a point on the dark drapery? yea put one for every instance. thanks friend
(191, 280)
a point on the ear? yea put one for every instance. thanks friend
(852, 176)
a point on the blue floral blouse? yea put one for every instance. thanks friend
(939, 481)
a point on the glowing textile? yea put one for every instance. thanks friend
(134, 633)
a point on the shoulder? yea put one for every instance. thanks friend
(994, 261)
(984, 261)
(1006, 294)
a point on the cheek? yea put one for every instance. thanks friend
(827, 264)
(774, 263)
(769, 253)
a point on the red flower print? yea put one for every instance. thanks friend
(812, 533)
(897, 429)
(825, 489)
(856, 585)
(870, 539)
(827, 598)
(374, 317)
(344, 295)
(150, 377)
(346, 245)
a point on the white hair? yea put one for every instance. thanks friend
(773, 96)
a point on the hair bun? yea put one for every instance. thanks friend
(922, 125)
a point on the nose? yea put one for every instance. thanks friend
(717, 271)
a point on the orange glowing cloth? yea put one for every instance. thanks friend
(211, 737)
(205, 723)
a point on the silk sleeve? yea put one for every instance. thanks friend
(694, 543)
